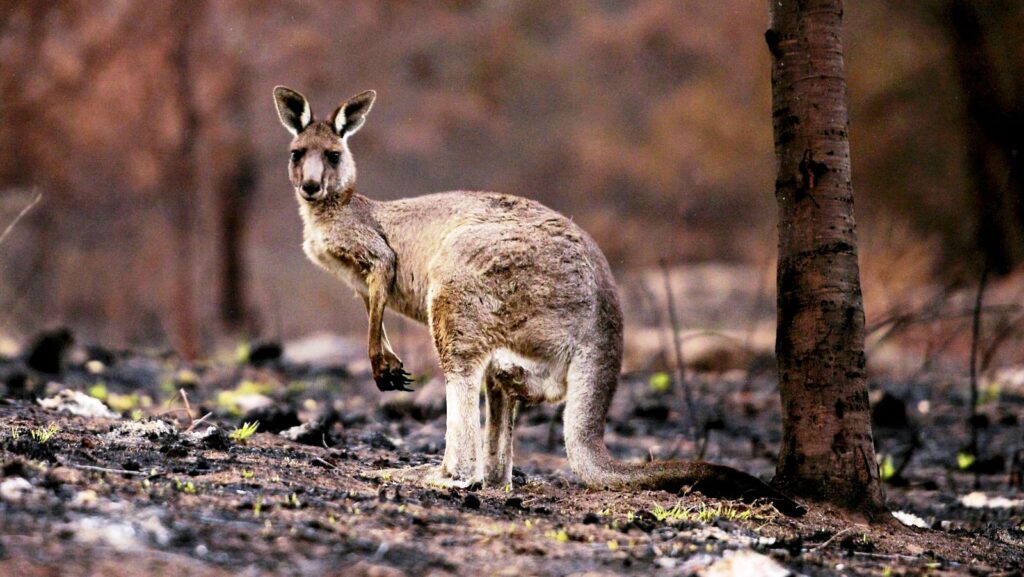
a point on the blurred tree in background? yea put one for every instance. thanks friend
(644, 120)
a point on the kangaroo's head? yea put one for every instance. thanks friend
(321, 164)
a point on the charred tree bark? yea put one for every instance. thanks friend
(233, 192)
(182, 181)
(827, 452)
(994, 134)
(234, 187)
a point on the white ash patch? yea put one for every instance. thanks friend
(79, 404)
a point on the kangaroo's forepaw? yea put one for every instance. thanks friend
(389, 374)
(393, 380)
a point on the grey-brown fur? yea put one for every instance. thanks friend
(520, 302)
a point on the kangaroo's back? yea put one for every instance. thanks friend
(518, 256)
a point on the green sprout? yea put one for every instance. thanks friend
(241, 434)
(706, 514)
(964, 460)
(660, 382)
(560, 535)
(42, 436)
(989, 394)
(15, 432)
(676, 513)
(186, 487)
(886, 470)
(242, 352)
(99, 391)
(228, 401)
(247, 474)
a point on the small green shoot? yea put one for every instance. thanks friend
(98, 391)
(43, 436)
(675, 514)
(15, 432)
(964, 460)
(660, 382)
(125, 403)
(706, 514)
(228, 401)
(186, 487)
(257, 507)
(185, 378)
(560, 535)
(242, 352)
(247, 474)
(886, 470)
(242, 434)
(989, 394)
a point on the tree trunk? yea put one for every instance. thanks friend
(182, 181)
(827, 452)
(992, 130)
(233, 191)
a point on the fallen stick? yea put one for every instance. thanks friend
(24, 211)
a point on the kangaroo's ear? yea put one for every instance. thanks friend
(350, 116)
(292, 109)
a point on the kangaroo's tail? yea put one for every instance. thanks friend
(591, 383)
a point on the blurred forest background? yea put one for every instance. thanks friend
(167, 218)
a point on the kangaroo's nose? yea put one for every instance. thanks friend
(310, 188)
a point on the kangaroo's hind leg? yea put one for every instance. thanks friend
(462, 427)
(501, 381)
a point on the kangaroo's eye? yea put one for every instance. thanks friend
(334, 157)
(297, 154)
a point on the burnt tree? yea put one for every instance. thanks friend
(827, 453)
(994, 134)
(181, 182)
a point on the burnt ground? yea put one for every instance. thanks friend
(138, 494)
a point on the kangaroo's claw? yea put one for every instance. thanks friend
(393, 380)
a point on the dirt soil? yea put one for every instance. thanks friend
(139, 494)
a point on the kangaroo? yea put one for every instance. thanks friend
(518, 299)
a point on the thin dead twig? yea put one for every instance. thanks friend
(677, 345)
(327, 463)
(114, 471)
(24, 211)
(975, 337)
(928, 314)
(198, 421)
(831, 540)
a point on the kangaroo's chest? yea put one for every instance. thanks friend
(342, 262)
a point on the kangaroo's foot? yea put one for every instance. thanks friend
(426, 475)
